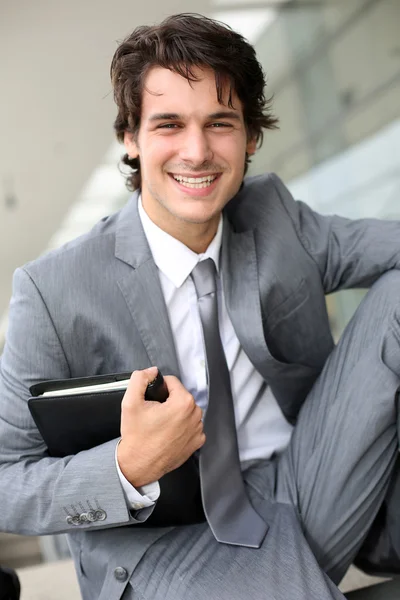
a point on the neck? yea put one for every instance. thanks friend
(196, 236)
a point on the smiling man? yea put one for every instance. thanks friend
(220, 282)
(192, 152)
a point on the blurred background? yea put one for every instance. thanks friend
(333, 67)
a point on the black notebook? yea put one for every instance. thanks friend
(74, 415)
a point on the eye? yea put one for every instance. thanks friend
(219, 125)
(167, 126)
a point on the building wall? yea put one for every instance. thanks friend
(335, 75)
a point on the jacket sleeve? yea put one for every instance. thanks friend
(349, 253)
(38, 492)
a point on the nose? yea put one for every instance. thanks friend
(196, 147)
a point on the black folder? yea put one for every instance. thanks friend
(73, 422)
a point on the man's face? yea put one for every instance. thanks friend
(192, 149)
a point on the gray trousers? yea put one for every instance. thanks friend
(320, 496)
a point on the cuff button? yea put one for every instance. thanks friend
(100, 514)
(120, 574)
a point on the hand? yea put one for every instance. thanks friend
(157, 437)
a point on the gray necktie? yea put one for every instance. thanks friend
(229, 512)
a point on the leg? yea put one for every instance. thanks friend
(337, 467)
(189, 564)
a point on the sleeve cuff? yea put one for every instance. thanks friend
(138, 498)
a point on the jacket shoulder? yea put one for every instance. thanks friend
(261, 197)
(75, 254)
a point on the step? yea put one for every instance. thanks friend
(49, 581)
(19, 550)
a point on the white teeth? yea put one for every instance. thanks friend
(195, 182)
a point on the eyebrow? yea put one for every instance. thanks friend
(226, 114)
(163, 116)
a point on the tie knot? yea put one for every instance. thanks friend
(203, 276)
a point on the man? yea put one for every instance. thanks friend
(313, 426)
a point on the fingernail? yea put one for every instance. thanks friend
(152, 370)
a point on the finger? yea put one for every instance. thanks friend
(173, 384)
(200, 440)
(198, 431)
(198, 413)
(178, 396)
(137, 385)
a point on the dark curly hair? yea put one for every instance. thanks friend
(181, 43)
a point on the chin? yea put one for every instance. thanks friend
(198, 217)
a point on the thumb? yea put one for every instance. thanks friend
(137, 385)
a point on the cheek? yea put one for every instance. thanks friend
(156, 151)
(233, 151)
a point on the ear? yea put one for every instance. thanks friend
(130, 145)
(251, 146)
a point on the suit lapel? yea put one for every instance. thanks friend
(242, 296)
(140, 285)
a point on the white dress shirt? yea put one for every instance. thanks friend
(261, 427)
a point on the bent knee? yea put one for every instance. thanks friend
(388, 281)
(386, 289)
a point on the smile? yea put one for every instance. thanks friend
(195, 182)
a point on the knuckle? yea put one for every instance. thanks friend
(188, 401)
(134, 375)
(171, 380)
(135, 381)
(202, 439)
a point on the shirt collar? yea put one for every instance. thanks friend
(171, 256)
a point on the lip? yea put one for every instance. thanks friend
(196, 192)
(205, 174)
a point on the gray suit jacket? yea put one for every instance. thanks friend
(96, 306)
